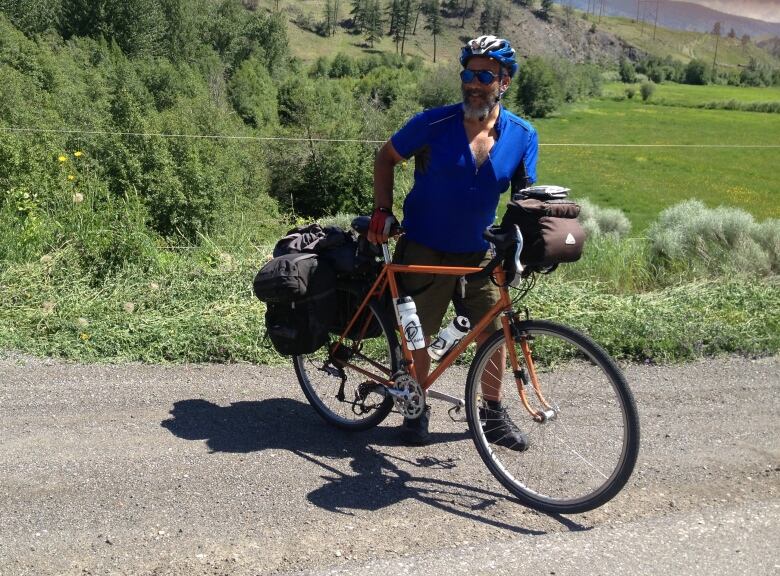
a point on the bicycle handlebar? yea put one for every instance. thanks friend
(508, 243)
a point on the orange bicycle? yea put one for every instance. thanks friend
(559, 386)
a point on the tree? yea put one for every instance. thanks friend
(359, 13)
(716, 33)
(407, 7)
(732, 34)
(253, 94)
(546, 8)
(434, 22)
(538, 93)
(697, 72)
(331, 13)
(373, 22)
(627, 71)
(745, 41)
(487, 16)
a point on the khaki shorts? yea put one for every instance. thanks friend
(433, 293)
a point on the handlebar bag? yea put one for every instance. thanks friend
(551, 232)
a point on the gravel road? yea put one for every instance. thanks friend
(224, 469)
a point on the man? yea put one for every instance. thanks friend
(465, 156)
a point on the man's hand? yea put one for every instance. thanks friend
(382, 220)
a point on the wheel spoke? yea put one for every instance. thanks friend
(585, 454)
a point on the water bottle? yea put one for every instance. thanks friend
(449, 337)
(410, 322)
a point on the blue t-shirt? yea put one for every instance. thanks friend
(452, 201)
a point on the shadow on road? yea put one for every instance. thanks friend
(377, 480)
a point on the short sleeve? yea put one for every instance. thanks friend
(412, 136)
(531, 155)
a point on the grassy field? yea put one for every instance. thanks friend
(693, 96)
(642, 181)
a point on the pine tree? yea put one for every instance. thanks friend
(486, 17)
(393, 15)
(434, 22)
(373, 21)
(406, 21)
(358, 13)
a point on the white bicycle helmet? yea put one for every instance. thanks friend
(497, 48)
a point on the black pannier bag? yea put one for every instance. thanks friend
(300, 293)
(551, 232)
(300, 326)
(287, 277)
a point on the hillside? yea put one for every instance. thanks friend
(568, 35)
(680, 16)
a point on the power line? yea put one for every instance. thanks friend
(352, 140)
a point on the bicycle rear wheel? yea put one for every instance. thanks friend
(582, 456)
(342, 395)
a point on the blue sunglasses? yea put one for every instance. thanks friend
(484, 76)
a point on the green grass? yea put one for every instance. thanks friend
(694, 96)
(644, 181)
(197, 310)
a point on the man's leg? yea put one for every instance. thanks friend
(497, 425)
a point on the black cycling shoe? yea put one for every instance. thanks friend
(415, 432)
(500, 430)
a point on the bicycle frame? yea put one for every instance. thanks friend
(503, 307)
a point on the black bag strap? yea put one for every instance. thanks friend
(520, 178)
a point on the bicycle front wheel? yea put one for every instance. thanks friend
(584, 451)
(346, 393)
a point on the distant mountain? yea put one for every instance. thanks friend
(680, 15)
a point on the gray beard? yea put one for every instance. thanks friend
(476, 112)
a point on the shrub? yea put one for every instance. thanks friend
(697, 72)
(647, 89)
(538, 92)
(440, 87)
(599, 221)
(253, 94)
(630, 92)
(714, 240)
(627, 71)
(343, 66)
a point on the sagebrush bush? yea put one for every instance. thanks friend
(599, 221)
(714, 241)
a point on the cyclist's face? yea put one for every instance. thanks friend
(478, 98)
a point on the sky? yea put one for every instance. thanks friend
(768, 10)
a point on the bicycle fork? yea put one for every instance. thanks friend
(525, 374)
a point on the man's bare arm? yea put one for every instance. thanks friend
(384, 168)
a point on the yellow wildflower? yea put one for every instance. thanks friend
(84, 336)
(61, 158)
(71, 177)
(78, 153)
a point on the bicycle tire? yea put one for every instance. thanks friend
(584, 456)
(320, 380)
